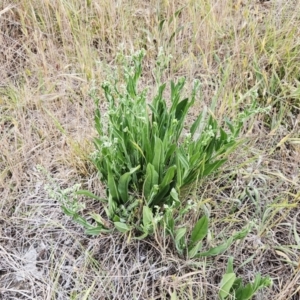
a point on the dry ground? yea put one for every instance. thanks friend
(53, 52)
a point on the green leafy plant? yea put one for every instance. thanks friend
(149, 157)
(232, 287)
(192, 244)
(144, 152)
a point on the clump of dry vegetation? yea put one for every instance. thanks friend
(53, 53)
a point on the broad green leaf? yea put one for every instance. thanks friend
(229, 268)
(179, 175)
(157, 160)
(112, 205)
(116, 218)
(170, 151)
(80, 220)
(168, 178)
(200, 230)
(181, 109)
(160, 197)
(131, 87)
(123, 184)
(226, 284)
(113, 191)
(180, 233)
(122, 227)
(169, 223)
(175, 92)
(174, 196)
(150, 180)
(196, 124)
(194, 250)
(245, 293)
(257, 281)
(147, 216)
(67, 211)
(210, 148)
(164, 187)
(98, 219)
(218, 145)
(227, 148)
(161, 89)
(238, 284)
(183, 160)
(196, 159)
(147, 143)
(217, 250)
(223, 135)
(200, 127)
(152, 196)
(210, 168)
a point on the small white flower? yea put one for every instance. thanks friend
(107, 144)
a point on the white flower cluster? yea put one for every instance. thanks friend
(208, 134)
(66, 197)
(107, 84)
(162, 58)
(158, 216)
(139, 54)
(94, 155)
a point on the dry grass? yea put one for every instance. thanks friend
(53, 52)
